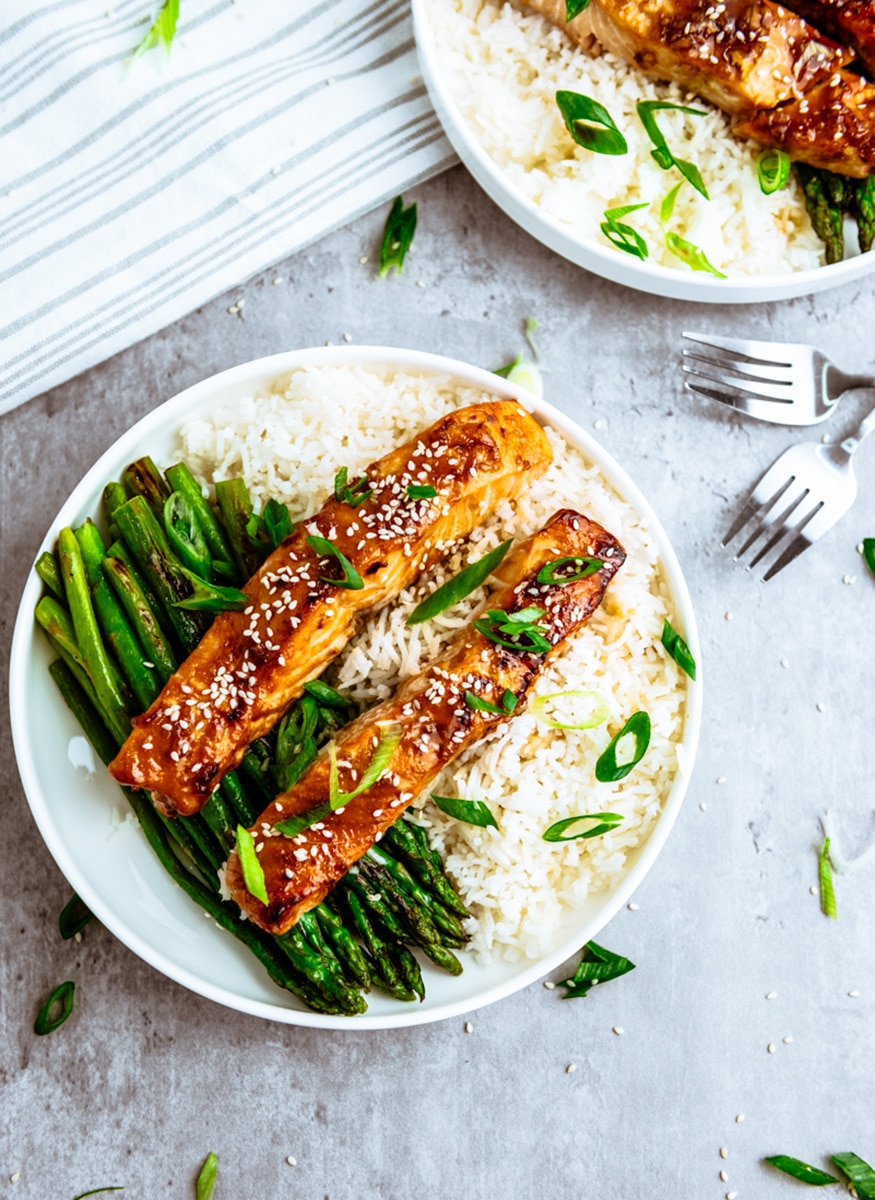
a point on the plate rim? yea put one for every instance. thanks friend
(585, 252)
(278, 365)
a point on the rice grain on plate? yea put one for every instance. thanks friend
(289, 445)
(504, 66)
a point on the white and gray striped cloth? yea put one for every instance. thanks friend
(132, 192)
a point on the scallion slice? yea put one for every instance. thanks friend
(526, 375)
(472, 812)
(97, 1192)
(678, 649)
(859, 1172)
(666, 209)
(56, 1009)
(468, 580)
(597, 965)
(505, 371)
(162, 29)
(599, 709)
(253, 872)
(573, 8)
(693, 256)
(583, 116)
(211, 597)
(661, 153)
(351, 578)
(607, 769)
(564, 830)
(508, 703)
(421, 491)
(869, 553)
(827, 891)
(773, 171)
(206, 1180)
(390, 738)
(586, 566)
(75, 915)
(397, 236)
(355, 495)
(623, 236)
(517, 631)
(801, 1171)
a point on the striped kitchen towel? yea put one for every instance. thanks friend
(133, 191)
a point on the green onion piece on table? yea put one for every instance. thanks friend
(859, 1172)
(827, 891)
(568, 570)
(56, 1009)
(74, 917)
(162, 29)
(505, 371)
(468, 580)
(97, 1192)
(590, 124)
(517, 631)
(397, 236)
(508, 703)
(869, 553)
(351, 578)
(253, 872)
(185, 536)
(421, 491)
(564, 830)
(661, 153)
(277, 522)
(531, 327)
(206, 1180)
(607, 769)
(693, 256)
(211, 597)
(773, 171)
(355, 495)
(623, 236)
(599, 709)
(800, 1170)
(573, 8)
(472, 812)
(678, 649)
(597, 965)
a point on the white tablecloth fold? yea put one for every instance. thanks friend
(135, 192)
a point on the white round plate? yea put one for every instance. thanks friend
(114, 870)
(586, 252)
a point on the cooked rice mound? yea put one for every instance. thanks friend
(504, 65)
(290, 445)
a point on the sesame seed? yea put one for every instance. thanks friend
(293, 1162)
(739, 1118)
(420, 283)
(731, 1195)
(364, 260)
(724, 1177)
(724, 1153)
(571, 1068)
(469, 1028)
(813, 890)
(721, 779)
(14, 1177)
(549, 984)
(729, 614)
(277, 281)
(788, 1040)
(633, 907)
(703, 806)
(347, 337)
(820, 706)
(771, 1047)
(785, 663)
(599, 423)
(771, 995)
(854, 993)
(618, 1030)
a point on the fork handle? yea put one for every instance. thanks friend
(853, 440)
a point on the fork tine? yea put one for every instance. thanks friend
(797, 545)
(761, 389)
(780, 527)
(763, 410)
(753, 506)
(744, 348)
(764, 372)
(799, 539)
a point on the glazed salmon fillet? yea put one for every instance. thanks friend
(431, 721)
(252, 665)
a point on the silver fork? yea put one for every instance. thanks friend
(801, 496)
(784, 382)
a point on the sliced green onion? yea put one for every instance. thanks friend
(505, 371)
(693, 256)
(288, 773)
(604, 823)
(666, 209)
(869, 553)
(468, 580)
(326, 695)
(390, 738)
(661, 152)
(573, 8)
(678, 649)
(421, 491)
(253, 872)
(397, 236)
(61, 1000)
(185, 536)
(97, 1192)
(526, 375)
(517, 631)
(472, 812)
(355, 495)
(277, 522)
(211, 597)
(582, 116)
(800, 1170)
(597, 965)
(773, 171)
(624, 237)
(859, 1172)
(531, 327)
(162, 29)
(607, 769)
(206, 1180)
(827, 891)
(351, 578)
(74, 917)
(588, 566)
(508, 703)
(599, 712)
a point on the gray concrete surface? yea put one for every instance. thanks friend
(145, 1078)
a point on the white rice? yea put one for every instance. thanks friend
(518, 886)
(504, 65)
